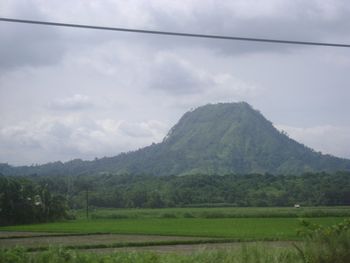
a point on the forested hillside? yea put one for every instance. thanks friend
(213, 139)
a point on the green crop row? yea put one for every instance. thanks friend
(241, 228)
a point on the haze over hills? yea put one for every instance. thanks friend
(212, 139)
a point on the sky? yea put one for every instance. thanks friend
(69, 93)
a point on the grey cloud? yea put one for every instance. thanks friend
(28, 45)
(76, 102)
(60, 130)
(328, 139)
(70, 136)
(291, 20)
(176, 76)
(300, 20)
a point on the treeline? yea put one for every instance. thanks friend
(24, 201)
(131, 191)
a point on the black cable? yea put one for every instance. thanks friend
(276, 41)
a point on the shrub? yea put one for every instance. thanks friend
(325, 244)
(188, 215)
(168, 215)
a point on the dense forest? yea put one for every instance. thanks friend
(24, 201)
(131, 191)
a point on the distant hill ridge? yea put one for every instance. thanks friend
(213, 139)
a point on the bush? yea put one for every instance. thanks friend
(168, 215)
(188, 215)
(325, 244)
(109, 216)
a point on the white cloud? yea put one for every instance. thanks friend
(149, 129)
(69, 137)
(76, 102)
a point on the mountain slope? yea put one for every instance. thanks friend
(227, 138)
(213, 139)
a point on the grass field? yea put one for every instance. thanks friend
(180, 229)
(236, 228)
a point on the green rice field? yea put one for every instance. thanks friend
(125, 235)
(234, 228)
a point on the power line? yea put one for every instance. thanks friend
(180, 34)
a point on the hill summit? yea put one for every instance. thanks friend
(212, 139)
(227, 138)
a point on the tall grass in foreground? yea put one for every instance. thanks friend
(248, 254)
(325, 244)
(321, 245)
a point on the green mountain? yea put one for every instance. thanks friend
(212, 139)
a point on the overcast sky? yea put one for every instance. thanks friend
(70, 93)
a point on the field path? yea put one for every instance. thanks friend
(32, 239)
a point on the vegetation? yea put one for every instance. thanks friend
(255, 190)
(245, 255)
(325, 244)
(217, 212)
(128, 191)
(222, 138)
(322, 244)
(45, 198)
(230, 190)
(22, 201)
(236, 228)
